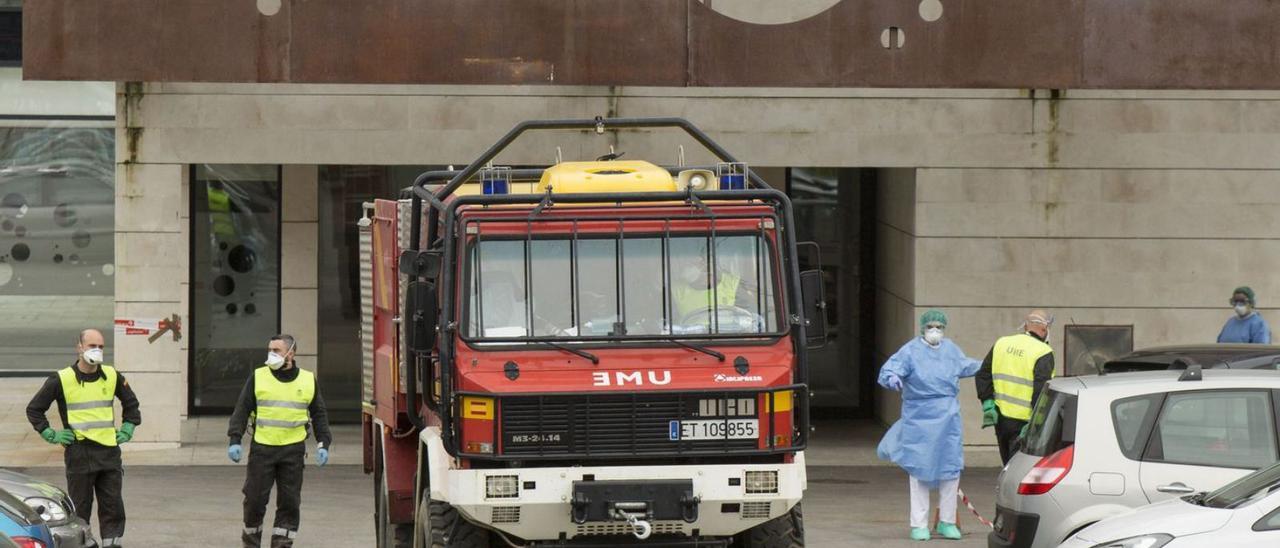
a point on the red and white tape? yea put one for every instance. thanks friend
(965, 499)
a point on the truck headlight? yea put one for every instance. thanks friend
(50, 511)
(1145, 541)
(762, 481)
(501, 487)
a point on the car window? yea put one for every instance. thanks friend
(1233, 429)
(1269, 522)
(1132, 418)
(1052, 425)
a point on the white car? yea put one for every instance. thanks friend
(1098, 446)
(1244, 513)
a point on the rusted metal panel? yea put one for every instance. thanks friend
(975, 43)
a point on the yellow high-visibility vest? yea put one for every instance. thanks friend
(1013, 372)
(687, 300)
(90, 406)
(281, 417)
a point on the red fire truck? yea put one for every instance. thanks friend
(592, 353)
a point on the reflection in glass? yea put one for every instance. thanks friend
(720, 289)
(235, 278)
(57, 244)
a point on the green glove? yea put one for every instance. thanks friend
(125, 433)
(989, 413)
(64, 437)
(1023, 433)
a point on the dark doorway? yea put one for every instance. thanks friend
(343, 190)
(835, 209)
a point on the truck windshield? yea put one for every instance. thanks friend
(610, 288)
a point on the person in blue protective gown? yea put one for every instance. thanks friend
(926, 440)
(1246, 326)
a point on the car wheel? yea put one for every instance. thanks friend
(781, 532)
(386, 534)
(450, 530)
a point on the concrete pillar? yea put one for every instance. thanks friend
(151, 283)
(299, 280)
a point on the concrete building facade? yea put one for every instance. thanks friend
(1117, 208)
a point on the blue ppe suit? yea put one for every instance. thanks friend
(927, 441)
(1249, 329)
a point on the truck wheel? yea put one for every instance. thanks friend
(387, 534)
(781, 532)
(444, 528)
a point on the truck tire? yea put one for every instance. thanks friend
(386, 534)
(781, 532)
(440, 526)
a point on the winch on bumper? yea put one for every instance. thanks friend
(680, 500)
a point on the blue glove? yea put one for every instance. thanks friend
(322, 456)
(893, 382)
(235, 452)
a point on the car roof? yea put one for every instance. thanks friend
(1145, 382)
(1204, 354)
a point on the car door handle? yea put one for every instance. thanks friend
(1177, 487)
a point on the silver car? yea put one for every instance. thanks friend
(1098, 446)
(53, 505)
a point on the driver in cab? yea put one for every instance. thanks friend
(693, 297)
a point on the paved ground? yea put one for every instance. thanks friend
(199, 506)
(189, 494)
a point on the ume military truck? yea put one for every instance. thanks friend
(590, 353)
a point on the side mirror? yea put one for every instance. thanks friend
(420, 263)
(813, 300)
(422, 311)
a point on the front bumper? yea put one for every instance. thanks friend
(1013, 529)
(542, 507)
(75, 533)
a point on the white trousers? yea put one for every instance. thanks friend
(920, 501)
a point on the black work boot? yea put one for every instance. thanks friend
(278, 541)
(251, 537)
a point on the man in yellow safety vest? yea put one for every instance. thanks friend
(284, 400)
(1012, 375)
(85, 393)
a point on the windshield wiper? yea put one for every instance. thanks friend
(582, 353)
(703, 349)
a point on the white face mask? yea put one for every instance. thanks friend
(274, 361)
(933, 336)
(92, 356)
(692, 275)
(1242, 310)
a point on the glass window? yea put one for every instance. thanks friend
(57, 242)
(235, 278)
(1129, 417)
(10, 33)
(1222, 428)
(682, 295)
(1053, 424)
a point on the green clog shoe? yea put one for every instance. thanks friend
(919, 533)
(949, 530)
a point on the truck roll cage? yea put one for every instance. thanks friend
(414, 260)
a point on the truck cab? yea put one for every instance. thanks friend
(588, 353)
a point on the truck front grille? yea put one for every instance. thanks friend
(607, 425)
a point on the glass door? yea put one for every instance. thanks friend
(235, 278)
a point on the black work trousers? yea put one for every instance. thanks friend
(94, 469)
(1007, 432)
(282, 467)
